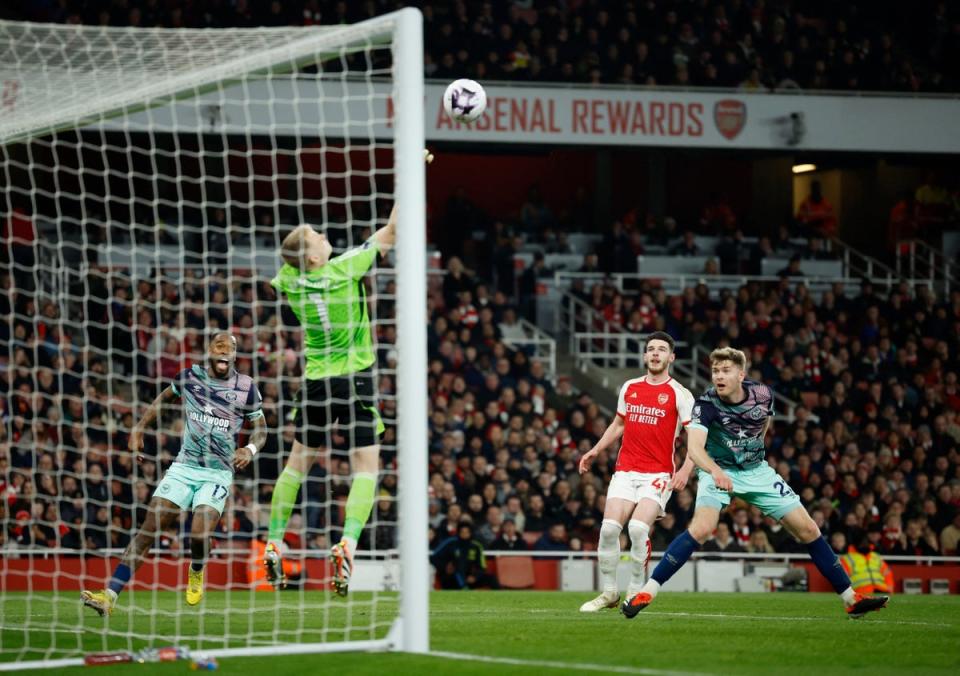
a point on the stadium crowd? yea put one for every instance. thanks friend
(754, 45)
(873, 452)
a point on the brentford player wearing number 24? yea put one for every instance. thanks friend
(650, 412)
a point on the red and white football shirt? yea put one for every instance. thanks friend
(652, 417)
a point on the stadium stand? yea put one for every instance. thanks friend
(873, 448)
(880, 45)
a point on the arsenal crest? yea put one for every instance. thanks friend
(663, 398)
(730, 116)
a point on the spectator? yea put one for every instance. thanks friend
(491, 528)
(509, 539)
(950, 536)
(528, 286)
(460, 562)
(816, 214)
(722, 541)
(457, 280)
(687, 247)
(554, 539)
(793, 268)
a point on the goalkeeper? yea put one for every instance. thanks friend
(328, 297)
(216, 402)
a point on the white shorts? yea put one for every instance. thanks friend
(634, 486)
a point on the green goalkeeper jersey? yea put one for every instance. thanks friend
(331, 304)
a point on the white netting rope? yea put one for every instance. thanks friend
(147, 236)
(66, 74)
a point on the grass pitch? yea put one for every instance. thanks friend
(511, 633)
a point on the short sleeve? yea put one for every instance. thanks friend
(254, 405)
(356, 262)
(684, 405)
(177, 383)
(621, 401)
(703, 414)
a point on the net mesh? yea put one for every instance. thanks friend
(150, 176)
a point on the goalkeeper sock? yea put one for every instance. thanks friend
(359, 506)
(608, 555)
(829, 565)
(639, 537)
(121, 576)
(281, 505)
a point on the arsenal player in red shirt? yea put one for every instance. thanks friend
(650, 412)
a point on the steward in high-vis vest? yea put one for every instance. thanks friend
(867, 570)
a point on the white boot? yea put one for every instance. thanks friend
(605, 600)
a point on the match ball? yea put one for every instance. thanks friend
(465, 100)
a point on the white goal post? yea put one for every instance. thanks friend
(181, 124)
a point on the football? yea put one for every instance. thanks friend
(465, 100)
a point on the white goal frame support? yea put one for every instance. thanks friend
(410, 631)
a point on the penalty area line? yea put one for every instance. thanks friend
(553, 664)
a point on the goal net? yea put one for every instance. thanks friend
(149, 176)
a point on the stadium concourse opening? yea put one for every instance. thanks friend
(635, 171)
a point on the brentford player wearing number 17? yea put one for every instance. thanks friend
(650, 412)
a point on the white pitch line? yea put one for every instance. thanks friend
(552, 664)
(825, 618)
(792, 618)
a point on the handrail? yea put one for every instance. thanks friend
(787, 407)
(925, 262)
(675, 283)
(614, 352)
(859, 264)
(537, 338)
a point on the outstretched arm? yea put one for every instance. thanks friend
(135, 444)
(387, 235)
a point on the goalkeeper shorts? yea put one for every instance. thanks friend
(348, 401)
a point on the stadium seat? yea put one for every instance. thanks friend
(515, 572)
(531, 537)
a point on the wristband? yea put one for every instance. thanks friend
(253, 448)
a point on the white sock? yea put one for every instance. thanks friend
(651, 587)
(848, 596)
(639, 534)
(351, 544)
(112, 594)
(608, 555)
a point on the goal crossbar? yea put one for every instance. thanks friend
(45, 109)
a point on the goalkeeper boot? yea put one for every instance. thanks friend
(102, 601)
(605, 600)
(863, 604)
(273, 563)
(342, 559)
(194, 586)
(635, 604)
